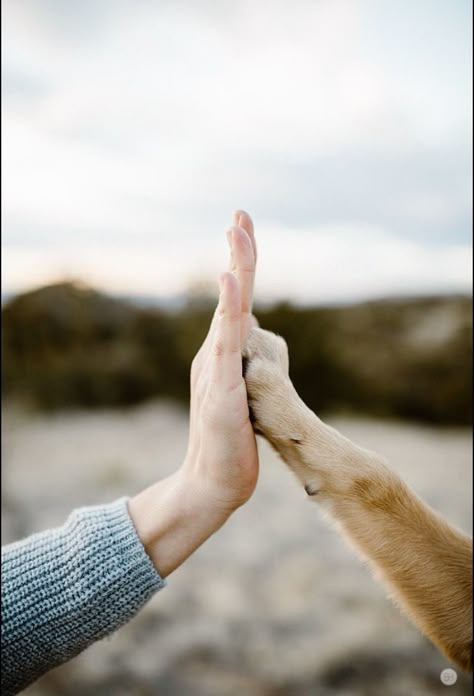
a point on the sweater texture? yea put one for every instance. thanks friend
(66, 588)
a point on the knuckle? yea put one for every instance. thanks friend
(225, 316)
(218, 349)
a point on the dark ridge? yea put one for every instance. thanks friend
(68, 345)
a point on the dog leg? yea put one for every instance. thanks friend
(425, 563)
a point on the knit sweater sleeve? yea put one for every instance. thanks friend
(65, 588)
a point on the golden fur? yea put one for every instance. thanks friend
(425, 562)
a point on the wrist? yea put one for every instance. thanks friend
(220, 486)
(173, 517)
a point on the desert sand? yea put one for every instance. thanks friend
(274, 604)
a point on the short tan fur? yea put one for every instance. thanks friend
(425, 562)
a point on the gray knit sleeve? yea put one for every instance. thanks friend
(65, 588)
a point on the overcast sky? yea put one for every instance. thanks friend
(132, 130)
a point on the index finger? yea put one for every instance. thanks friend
(226, 346)
(242, 264)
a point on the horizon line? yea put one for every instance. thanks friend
(179, 300)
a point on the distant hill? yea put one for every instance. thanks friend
(68, 345)
(170, 303)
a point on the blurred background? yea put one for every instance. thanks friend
(131, 132)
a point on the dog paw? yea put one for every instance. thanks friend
(265, 369)
(265, 349)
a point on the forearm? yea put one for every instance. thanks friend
(425, 562)
(173, 518)
(65, 588)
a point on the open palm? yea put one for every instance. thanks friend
(222, 453)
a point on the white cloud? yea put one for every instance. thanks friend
(136, 126)
(353, 263)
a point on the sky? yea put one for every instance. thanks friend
(132, 129)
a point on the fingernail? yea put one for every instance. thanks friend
(229, 237)
(221, 281)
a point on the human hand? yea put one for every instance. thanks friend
(222, 459)
(220, 469)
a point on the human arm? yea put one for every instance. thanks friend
(65, 588)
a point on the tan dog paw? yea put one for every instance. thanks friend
(276, 410)
(266, 347)
(265, 368)
(271, 396)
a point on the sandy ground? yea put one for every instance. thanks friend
(275, 604)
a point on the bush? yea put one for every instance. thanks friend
(67, 345)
